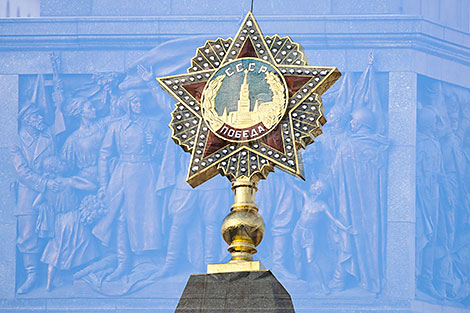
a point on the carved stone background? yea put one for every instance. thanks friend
(380, 224)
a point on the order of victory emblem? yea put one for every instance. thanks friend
(247, 104)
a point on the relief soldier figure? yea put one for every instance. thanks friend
(442, 198)
(134, 218)
(283, 203)
(35, 143)
(194, 211)
(359, 178)
(182, 220)
(432, 233)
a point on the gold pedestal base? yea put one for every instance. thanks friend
(246, 266)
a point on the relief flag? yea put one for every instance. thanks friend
(366, 95)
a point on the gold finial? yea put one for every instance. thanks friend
(243, 229)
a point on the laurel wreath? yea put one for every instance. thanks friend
(279, 98)
(208, 103)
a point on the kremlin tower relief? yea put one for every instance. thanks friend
(243, 117)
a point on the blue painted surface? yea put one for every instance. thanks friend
(385, 230)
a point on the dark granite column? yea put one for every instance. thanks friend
(236, 292)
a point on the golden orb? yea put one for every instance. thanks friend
(243, 229)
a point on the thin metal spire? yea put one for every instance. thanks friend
(7, 12)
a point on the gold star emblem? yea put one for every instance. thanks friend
(247, 105)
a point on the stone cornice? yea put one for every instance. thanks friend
(317, 32)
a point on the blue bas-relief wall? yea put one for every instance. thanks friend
(95, 212)
(442, 191)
